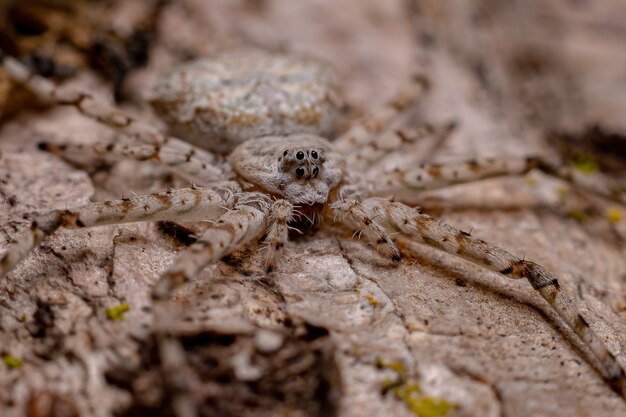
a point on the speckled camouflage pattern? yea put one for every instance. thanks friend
(219, 102)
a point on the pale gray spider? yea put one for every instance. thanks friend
(268, 110)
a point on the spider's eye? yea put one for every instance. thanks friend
(313, 154)
(299, 171)
(300, 155)
(285, 153)
(315, 171)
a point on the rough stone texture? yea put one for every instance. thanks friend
(489, 345)
(555, 63)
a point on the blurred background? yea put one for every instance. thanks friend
(556, 67)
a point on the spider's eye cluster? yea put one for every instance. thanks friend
(305, 163)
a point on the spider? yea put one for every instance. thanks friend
(270, 112)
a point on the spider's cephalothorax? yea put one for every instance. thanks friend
(302, 169)
(270, 114)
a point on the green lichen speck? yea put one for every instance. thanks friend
(12, 362)
(116, 313)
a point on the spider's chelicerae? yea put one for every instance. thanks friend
(267, 110)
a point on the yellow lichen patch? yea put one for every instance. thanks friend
(116, 313)
(586, 164)
(12, 362)
(388, 384)
(407, 391)
(422, 406)
(410, 392)
(395, 366)
(373, 301)
(430, 406)
(614, 215)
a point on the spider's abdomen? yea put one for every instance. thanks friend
(220, 102)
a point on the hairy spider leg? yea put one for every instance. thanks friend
(352, 213)
(181, 157)
(394, 216)
(240, 218)
(246, 221)
(387, 143)
(236, 228)
(426, 177)
(365, 133)
(183, 204)
(278, 233)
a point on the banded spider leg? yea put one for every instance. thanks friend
(143, 141)
(239, 219)
(380, 218)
